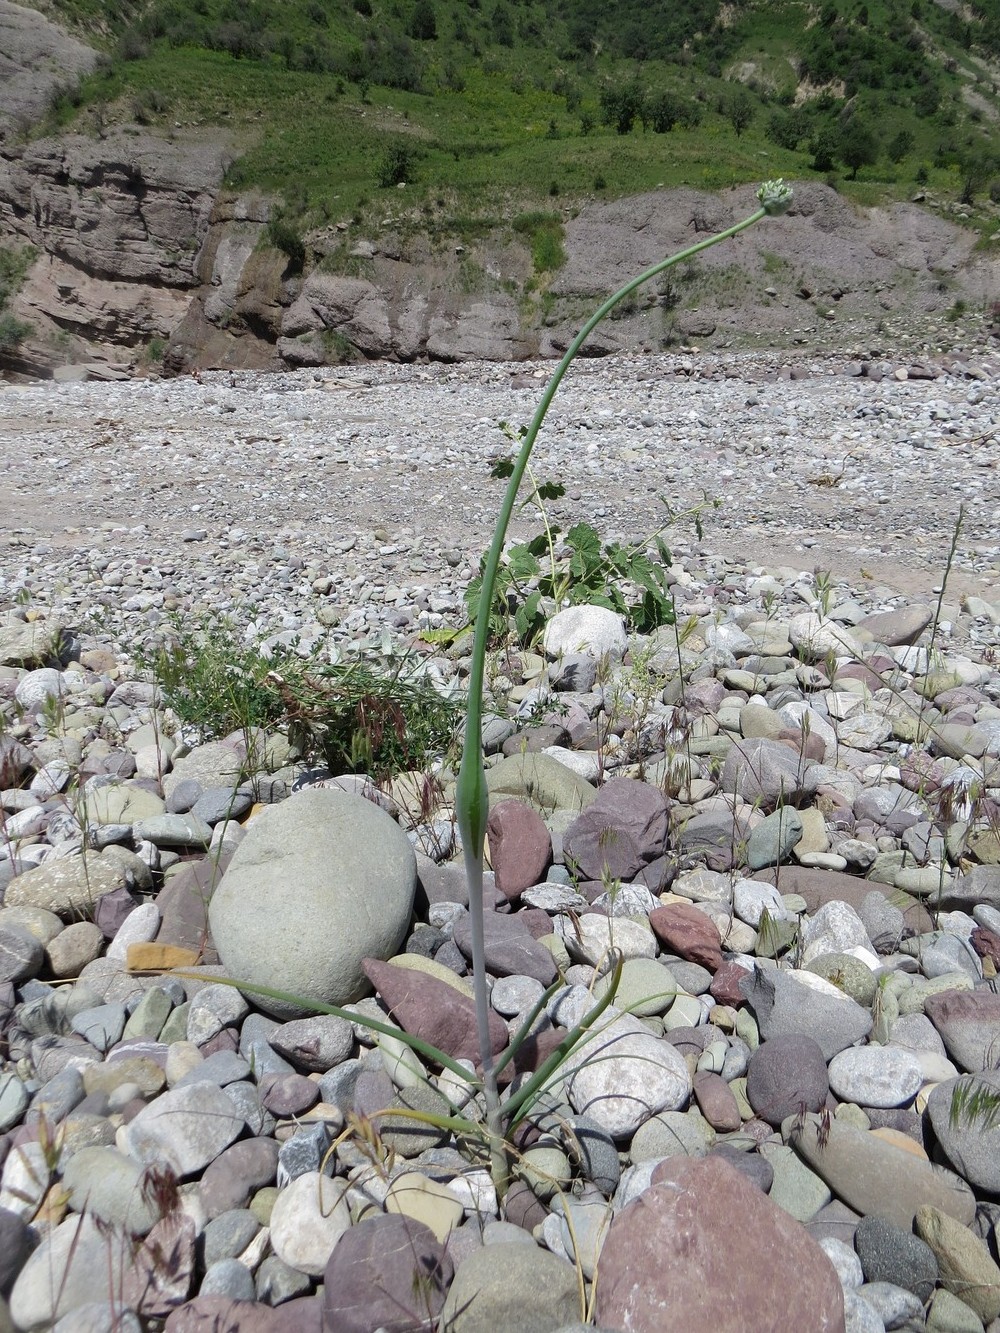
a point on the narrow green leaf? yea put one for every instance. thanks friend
(417, 1044)
(522, 1032)
(515, 1106)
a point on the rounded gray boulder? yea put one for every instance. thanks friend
(321, 881)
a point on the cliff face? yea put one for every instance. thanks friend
(143, 260)
(117, 225)
(37, 60)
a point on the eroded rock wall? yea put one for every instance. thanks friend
(117, 225)
(38, 59)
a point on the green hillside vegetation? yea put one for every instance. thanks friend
(458, 112)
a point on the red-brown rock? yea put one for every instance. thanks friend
(823, 886)
(705, 1251)
(810, 746)
(624, 828)
(689, 933)
(161, 1274)
(219, 1314)
(717, 1101)
(987, 944)
(432, 1009)
(520, 847)
(385, 1273)
(968, 1023)
(725, 987)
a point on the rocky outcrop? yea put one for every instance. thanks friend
(140, 249)
(118, 225)
(401, 317)
(825, 261)
(126, 207)
(38, 59)
(140, 254)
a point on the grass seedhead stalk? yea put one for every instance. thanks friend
(471, 794)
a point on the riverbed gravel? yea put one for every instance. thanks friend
(784, 819)
(358, 496)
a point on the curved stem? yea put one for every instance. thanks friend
(471, 795)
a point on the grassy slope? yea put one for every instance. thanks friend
(496, 103)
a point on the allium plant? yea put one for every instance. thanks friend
(471, 796)
(472, 809)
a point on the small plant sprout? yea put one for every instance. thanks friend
(471, 795)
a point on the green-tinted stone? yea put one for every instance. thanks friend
(936, 682)
(775, 938)
(905, 727)
(672, 1134)
(950, 1315)
(29, 643)
(175, 1028)
(407, 1137)
(149, 1015)
(135, 1069)
(911, 1001)
(646, 987)
(121, 803)
(541, 780)
(746, 1027)
(923, 881)
(955, 840)
(851, 1114)
(848, 973)
(984, 844)
(262, 1203)
(544, 1171)
(885, 1011)
(798, 1190)
(557, 948)
(887, 866)
(738, 1087)
(771, 842)
(684, 1012)
(966, 1266)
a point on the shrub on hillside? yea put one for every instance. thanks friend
(621, 105)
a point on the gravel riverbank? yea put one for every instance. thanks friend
(366, 491)
(793, 843)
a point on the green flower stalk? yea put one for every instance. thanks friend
(471, 796)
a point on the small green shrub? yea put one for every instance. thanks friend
(395, 166)
(14, 264)
(544, 233)
(148, 104)
(665, 110)
(622, 104)
(12, 332)
(285, 236)
(740, 109)
(339, 349)
(424, 23)
(588, 571)
(900, 146)
(352, 716)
